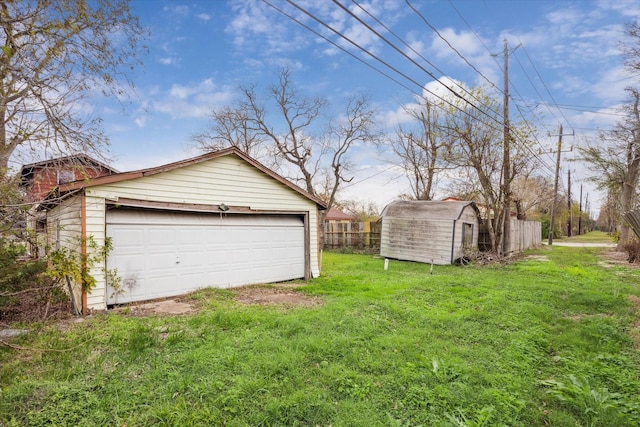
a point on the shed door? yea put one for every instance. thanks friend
(161, 254)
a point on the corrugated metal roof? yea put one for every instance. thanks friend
(425, 209)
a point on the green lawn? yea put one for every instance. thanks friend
(544, 341)
(591, 237)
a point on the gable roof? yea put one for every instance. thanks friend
(427, 209)
(124, 176)
(337, 215)
(79, 160)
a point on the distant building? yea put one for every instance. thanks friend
(335, 215)
(40, 178)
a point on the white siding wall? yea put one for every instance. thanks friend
(64, 230)
(227, 179)
(95, 227)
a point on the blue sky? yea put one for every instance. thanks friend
(201, 51)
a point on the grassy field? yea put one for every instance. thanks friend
(549, 340)
(591, 237)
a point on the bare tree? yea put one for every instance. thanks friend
(476, 147)
(420, 149)
(230, 127)
(54, 54)
(357, 126)
(290, 129)
(295, 142)
(631, 49)
(615, 161)
(531, 193)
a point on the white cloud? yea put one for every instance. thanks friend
(141, 121)
(443, 88)
(629, 8)
(167, 61)
(192, 101)
(204, 17)
(464, 42)
(181, 10)
(113, 127)
(399, 116)
(250, 20)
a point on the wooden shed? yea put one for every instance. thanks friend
(428, 231)
(218, 220)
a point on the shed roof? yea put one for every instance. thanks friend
(426, 209)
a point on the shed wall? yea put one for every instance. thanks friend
(468, 216)
(416, 239)
(437, 241)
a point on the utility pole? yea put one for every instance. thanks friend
(580, 217)
(555, 186)
(506, 234)
(587, 209)
(569, 203)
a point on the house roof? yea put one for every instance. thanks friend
(124, 176)
(80, 160)
(337, 215)
(427, 209)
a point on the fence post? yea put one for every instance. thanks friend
(366, 229)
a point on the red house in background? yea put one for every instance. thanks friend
(336, 215)
(39, 179)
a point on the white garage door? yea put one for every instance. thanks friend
(159, 254)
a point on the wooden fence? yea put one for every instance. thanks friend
(352, 235)
(524, 235)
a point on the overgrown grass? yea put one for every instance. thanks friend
(542, 341)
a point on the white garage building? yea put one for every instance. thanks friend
(218, 220)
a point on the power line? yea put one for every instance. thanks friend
(394, 47)
(489, 51)
(435, 30)
(339, 47)
(395, 69)
(584, 109)
(544, 85)
(409, 47)
(321, 22)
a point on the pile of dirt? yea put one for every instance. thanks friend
(167, 306)
(282, 294)
(275, 295)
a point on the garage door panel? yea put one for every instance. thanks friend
(175, 253)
